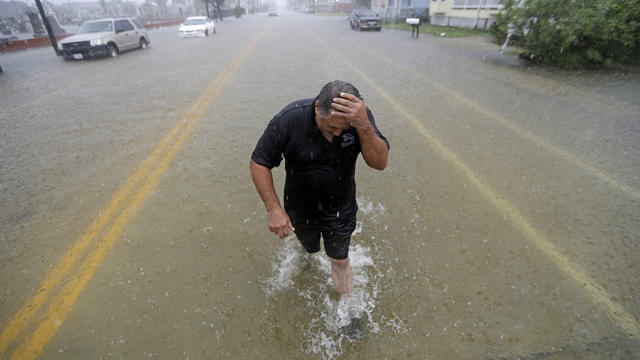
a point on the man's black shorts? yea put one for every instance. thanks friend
(336, 233)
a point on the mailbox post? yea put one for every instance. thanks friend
(415, 26)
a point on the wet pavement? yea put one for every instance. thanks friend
(505, 226)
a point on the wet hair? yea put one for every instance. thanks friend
(330, 91)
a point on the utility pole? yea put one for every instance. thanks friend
(475, 24)
(47, 26)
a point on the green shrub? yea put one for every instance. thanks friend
(574, 33)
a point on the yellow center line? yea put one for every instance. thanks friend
(27, 312)
(597, 292)
(520, 131)
(63, 303)
(30, 308)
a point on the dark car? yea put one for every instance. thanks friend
(363, 19)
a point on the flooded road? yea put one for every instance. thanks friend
(506, 225)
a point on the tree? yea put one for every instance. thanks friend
(162, 4)
(129, 8)
(206, 5)
(574, 33)
(217, 9)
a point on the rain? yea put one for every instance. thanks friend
(506, 224)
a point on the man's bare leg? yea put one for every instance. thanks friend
(342, 276)
(343, 279)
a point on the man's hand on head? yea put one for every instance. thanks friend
(352, 109)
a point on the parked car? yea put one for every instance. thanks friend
(273, 12)
(197, 26)
(104, 38)
(363, 19)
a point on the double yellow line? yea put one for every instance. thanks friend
(77, 267)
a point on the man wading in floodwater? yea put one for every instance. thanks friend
(320, 140)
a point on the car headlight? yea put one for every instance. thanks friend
(95, 42)
(59, 46)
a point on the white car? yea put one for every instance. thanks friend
(104, 37)
(197, 26)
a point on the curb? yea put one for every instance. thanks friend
(16, 45)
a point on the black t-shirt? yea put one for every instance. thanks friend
(320, 174)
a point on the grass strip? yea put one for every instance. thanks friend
(332, 14)
(442, 31)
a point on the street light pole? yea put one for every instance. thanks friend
(47, 26)
(475, 24)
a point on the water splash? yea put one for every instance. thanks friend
(371, 211)
(287, 265)
(327, 313)
(324, 335)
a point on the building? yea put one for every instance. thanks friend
(343, 6)
(401, 8)
(472, 14)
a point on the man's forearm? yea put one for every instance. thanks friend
(263, 180)
(374, 149)
(279, 222)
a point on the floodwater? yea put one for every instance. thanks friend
(506, 225)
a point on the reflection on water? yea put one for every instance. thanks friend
(310, 278)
